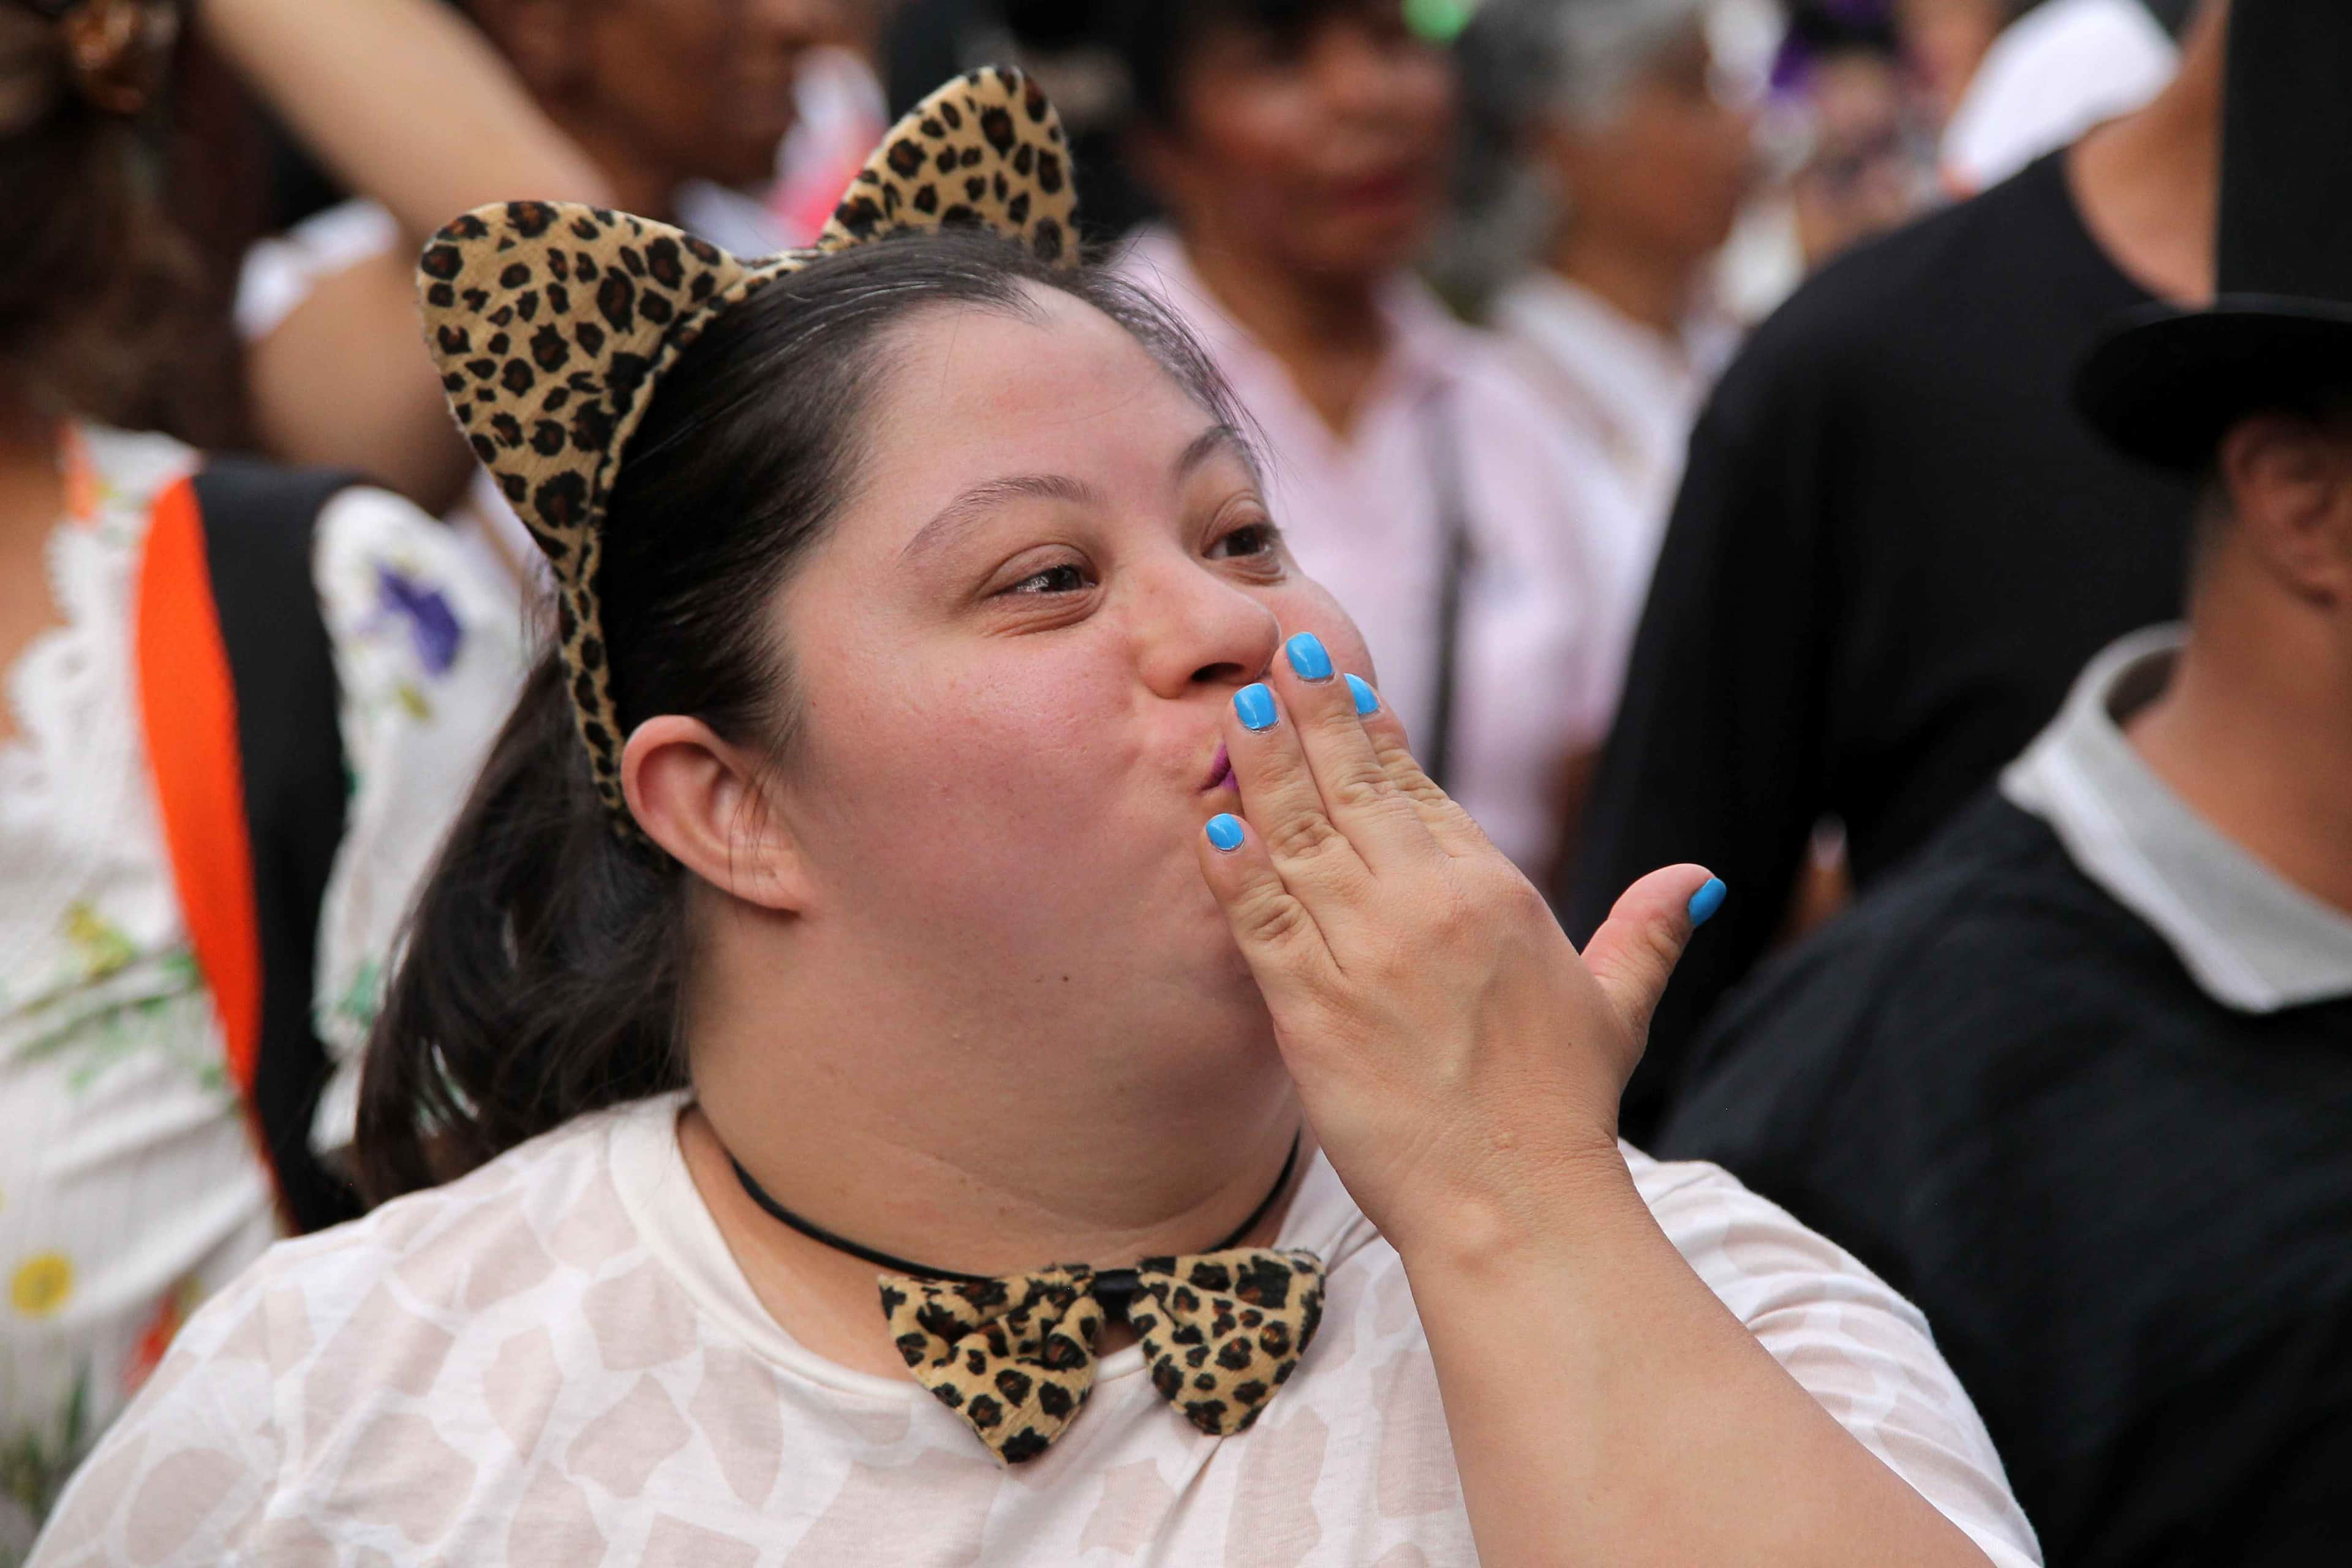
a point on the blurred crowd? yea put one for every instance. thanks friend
(1689, 400)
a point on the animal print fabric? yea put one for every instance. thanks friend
(556, 1360)
(1015, 1357)
(553, 324)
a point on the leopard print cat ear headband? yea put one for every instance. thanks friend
(554, 322)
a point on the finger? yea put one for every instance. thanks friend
(1358, 794)
(1440, 813)
(1635, 952)
(1280, 799)
(1278, 935)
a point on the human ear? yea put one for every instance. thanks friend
(701, 798)
(2290, 487)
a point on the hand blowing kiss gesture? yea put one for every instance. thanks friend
(1461, 1065)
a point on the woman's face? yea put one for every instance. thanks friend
(1329, 147)
(1010, 660)
(1664, 174)
(704, 87)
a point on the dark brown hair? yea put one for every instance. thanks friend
(98, 289)
(542, 973)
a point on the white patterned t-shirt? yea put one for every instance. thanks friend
(556, 1360)
(131, 1187)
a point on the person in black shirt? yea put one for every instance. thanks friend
(2078, 1080)
(1894, 546)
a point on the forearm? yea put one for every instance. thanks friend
(405, 101)
(1605, 1407)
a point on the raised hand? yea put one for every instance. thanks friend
(1460, 1061)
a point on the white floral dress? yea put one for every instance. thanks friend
(130, 1187)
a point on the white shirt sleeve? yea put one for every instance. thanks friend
(428, 647)
(280, 272)
(1855, 1344)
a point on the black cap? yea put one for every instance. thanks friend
(2165, 385)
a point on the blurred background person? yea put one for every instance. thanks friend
(1895, 544)
(1068, 47)
(1300, 151)
(1864, 87)
(675, 109)
(1640, 155)
(241, 705)
(2075, 1080)
(1944, 42)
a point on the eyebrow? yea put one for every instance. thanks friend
(990, 494)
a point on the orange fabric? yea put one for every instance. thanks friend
(189, 704)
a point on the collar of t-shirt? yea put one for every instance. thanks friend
(1616, 358)
(2251, 939)
(1428, 349)
(650, 1174)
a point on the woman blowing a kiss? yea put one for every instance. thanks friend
(950, 844)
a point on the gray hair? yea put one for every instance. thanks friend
(1531, 57)
(1522, 61)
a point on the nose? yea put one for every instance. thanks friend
(1195, 628)
(1357, 75)
(795, 23)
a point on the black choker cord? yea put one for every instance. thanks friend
(1112, 1287)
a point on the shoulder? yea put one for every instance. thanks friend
(1994, 895)
(1754, 1255)
(396, 581)
(1923, 986)
(1898, 294)
(1853, 1343)
(419, 1263)
(331, 1354)
(1544, 466)
(1961, 995)
(121, 473)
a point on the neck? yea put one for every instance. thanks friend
(32, 485)
(938, 1140)
(1327, 329)
(1654, 291)
(639, 185)
(2254, 733)
(32, 498)
(2149, 185)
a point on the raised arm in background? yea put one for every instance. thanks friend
(408, 104)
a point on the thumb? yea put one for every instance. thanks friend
(1635, 952)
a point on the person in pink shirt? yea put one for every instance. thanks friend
(1299, 151)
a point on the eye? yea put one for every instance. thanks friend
(1251, 539)
(1069, 577)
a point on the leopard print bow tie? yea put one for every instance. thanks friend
(1016, 1356)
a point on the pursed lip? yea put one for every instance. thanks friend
(1220, 770)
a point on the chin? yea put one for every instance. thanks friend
(1377, 249)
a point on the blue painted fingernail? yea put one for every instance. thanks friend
(1255, 703)
(1225, 831)
(1368, 701)
(1308, 657)
(1705, 901)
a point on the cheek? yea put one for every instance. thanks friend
(1426, 95)
(1253, 155)
(1303, 605)
(970, 777)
